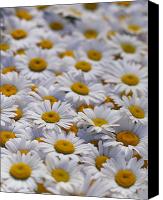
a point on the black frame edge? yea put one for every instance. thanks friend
(153, 99)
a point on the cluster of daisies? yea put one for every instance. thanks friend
(74, 93)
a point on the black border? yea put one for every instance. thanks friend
(153, 99)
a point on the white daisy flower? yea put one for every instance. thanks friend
(47, 40)
(63, 175)
(47, 116)
(42, 93)
(127, 47)
(8, 64)
(62, 65)
(93, 137)
(128, 8)
(5, 46)
(113, 96)
(141, 6)
(92, 188)
(101, 119)
(93, 162)
(8, 109)
(73, 129)
(21, 32)
(78, 89)
(29, 14)
(20, 145)
(96, 51)
(18, 50)
(90, 29)
(20, 172)
(66, 10)
(32, 133)
(63, 145)
(144, 157)
(14, 86)
(90, 70)
(36, 64)
(70, 48)
(124, 178)
(57, 23)
(129, 138)
(136, 108)
(10, 131)
(90, 9)
(20, 119)
(136, 25)
(79, 10)
(112, 29)
(128, 77)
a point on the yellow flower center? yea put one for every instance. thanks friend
(125, 178)
(19, 34)
(58, 73)
(99, 121)
(45, 44)
(83, 106)
(110, 100)
(37, 64)
(60, 175)
(34, 88)
(56, 26)
(134, 28)
(64, 147)
(91, 6)
(128, 48)
(23, 14)
(145, 164)
(5, 136)
(41, 188)
(52, 99)
(137, 111)
(110, 34)
(127, 138)
(24, 151)
(94, 142)
(20, 171)
(67, 53)
(50, 117)
(122, 17)
(4, 47)
(130, 79)
(20, 52)
(8, 90)
(43, 7)
(124, 3)
(8, 69)
(94, 55)
(91, 34)
(84, 66)
(80, 88)
(139, 157)
(130, 94)
(100, 160)
(72, 128)
(19, 114)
